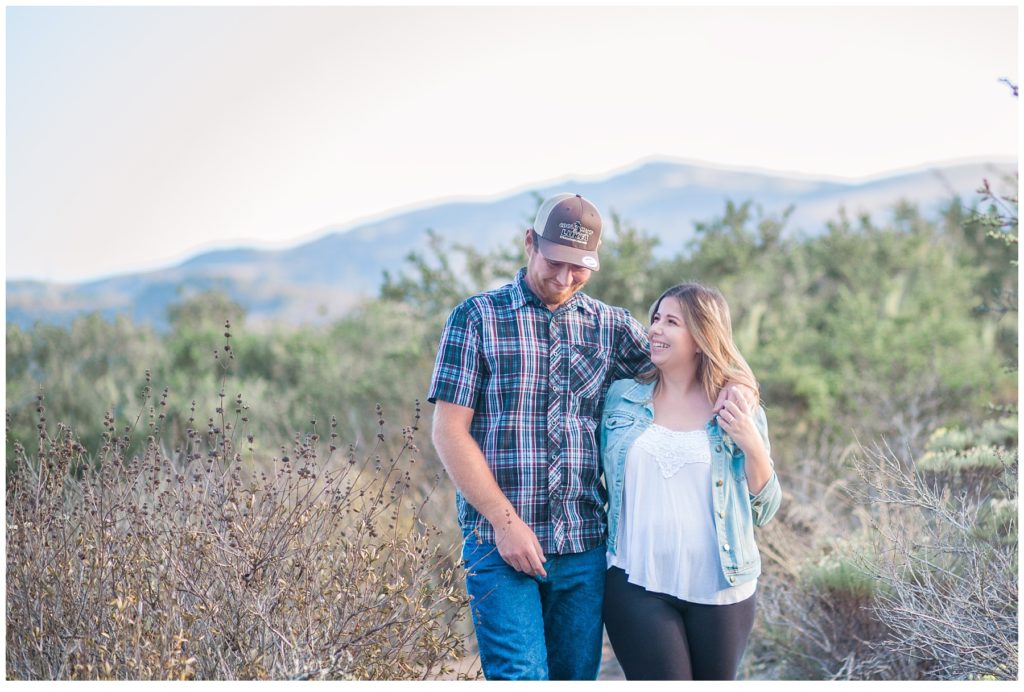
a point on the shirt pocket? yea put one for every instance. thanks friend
(588, 365)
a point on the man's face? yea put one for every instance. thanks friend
(552, 282)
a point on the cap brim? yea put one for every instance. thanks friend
(561, 253)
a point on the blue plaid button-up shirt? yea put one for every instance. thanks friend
(536, 380)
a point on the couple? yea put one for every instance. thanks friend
(525, 424)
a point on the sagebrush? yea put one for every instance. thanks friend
(198, 559)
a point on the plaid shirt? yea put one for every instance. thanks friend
(536, 380)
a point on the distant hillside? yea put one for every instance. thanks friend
(321, 279)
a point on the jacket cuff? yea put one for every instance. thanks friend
(764, 505)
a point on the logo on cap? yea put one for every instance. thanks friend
(575, 232)
(589, 262)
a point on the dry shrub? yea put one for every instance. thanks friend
(924, 588)
(947, 552)
(822, 625)
(197, 564)
(815, 618)
(810, 623)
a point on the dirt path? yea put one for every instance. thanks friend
(610, 669)
(469, 667)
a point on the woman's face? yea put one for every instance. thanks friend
(672, 345)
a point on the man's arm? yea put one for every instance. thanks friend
(632, 354)
(516, 542)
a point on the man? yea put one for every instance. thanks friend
(518, 382)
(519, 379)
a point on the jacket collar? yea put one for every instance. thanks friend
(639, 393)
(642, 394)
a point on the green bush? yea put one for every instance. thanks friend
(865, 331)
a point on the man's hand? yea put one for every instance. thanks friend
(739, 394)
(519, 547)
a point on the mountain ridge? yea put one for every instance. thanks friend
(321, 278)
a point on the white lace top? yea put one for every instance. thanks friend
(667, 540)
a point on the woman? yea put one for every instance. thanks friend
(686, 487)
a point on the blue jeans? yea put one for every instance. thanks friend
(536, 628)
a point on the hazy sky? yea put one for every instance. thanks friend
(137, 137)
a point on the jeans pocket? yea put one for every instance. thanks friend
(480, 558)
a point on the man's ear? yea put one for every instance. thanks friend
(528, 241)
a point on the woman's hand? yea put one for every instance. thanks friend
(735, 419)
(739, 424)
(741, 394)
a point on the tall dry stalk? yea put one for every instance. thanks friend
(195, 559)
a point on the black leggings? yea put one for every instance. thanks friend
(660, 637)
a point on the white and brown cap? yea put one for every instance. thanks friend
(569, 227)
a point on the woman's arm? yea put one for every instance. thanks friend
(742, 429)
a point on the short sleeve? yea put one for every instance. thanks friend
(632, 350)
(457, 368)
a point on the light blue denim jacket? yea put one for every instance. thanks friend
(627, 413)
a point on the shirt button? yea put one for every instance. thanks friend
(725, 547)
(719, 483)
(718, 448)
(721, 515)
(732, 580)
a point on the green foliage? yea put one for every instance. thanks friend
(950, 461)
(938, 588)
(446, 276)
(84, 370)
(630, 276)
(204, 311)
(957, 449)
(840, 574)
(844, 329)
(870, 329)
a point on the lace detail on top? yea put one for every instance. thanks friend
(675, 448)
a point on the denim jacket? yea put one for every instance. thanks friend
(627, 413)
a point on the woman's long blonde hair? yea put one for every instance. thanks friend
(707, 317)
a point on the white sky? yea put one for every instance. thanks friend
(137, 137)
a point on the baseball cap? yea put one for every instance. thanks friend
(569, 227)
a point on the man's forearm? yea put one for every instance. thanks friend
(462, 458)
(468, 469)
